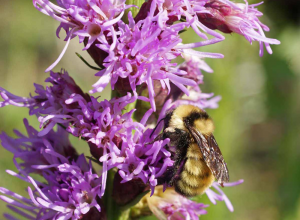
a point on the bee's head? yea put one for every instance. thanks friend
(193, 116)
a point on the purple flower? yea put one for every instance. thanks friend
(91, 19)
(112, 131)
(169, 205)
(199, 99)
(70, 191)
(239, 18)
(192, 66)
(32, 150)
(50, 103)
(213, 196)
(144, 53)
(138, 58)
(186, 12)
(104, 125)
(49, 100)
(142, 160)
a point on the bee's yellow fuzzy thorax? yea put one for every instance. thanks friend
(205, 126)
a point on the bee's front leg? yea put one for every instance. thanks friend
(178, 137)
(158, 138)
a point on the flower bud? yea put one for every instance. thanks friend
(94, 214)
(95, 151)
(215, 19)
(122, 86)
(161, 96)
(143, 12)
(124, 193)
(96, 53)
(168, 204)
(239, 18)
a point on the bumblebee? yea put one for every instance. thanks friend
(197, 156)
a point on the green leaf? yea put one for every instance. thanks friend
(94, 160)
(89, 65)
(182, 31)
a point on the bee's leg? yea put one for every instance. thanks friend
(178, 138)
(172, 173)
(158, 137)
(179, 163)
(167, 177)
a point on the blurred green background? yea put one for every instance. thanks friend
(257, 123)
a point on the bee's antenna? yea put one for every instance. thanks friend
(156, 127)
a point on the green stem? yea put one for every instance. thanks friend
(61, 125)
(112, 213)
(115, 212)
(112, 209)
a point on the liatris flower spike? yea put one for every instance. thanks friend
(138, 47)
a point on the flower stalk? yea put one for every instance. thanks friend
(113, 210)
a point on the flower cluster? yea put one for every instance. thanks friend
(167, 204)
(137, 49)
(88, 19)
(31, 149)
(102, 124)
(143, 50)
(71, 189)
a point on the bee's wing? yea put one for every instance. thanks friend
(211, 154)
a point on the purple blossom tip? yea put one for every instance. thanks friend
(32, 150)
(239, 18)
(213, 196)
(90, 20)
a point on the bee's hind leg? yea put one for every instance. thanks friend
(172, 174)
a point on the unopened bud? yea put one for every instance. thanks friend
(216, 18)
(96, 53)
(94, 214)
(124, 193)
